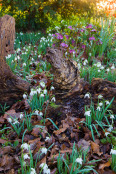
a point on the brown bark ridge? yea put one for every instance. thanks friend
(11, 86)
(66, 73)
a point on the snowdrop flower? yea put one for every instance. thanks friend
(79, 65)
(18, 50)
(24, 96)
(53, 99)
(108, 70)
(100, 104)
(7, 57)
(43, 150)
(52, 88)
(15, 59)
(98, 64)
(110, 128)
(26, 156)
(113, 67)
(40, 113)
(112, 116)
(47, 138)
(101, 67)
(87, 95)
(107, 102)
(25, 146)
(79, 160)
(24, 64)
(46, 171)
(43, 165)
(32, 59)
(89, 54)
(16, 122)
(85, 62)
(45, 91)
(107, 133)
(99, 70)
(32, 93)
(39, 56)
(88, 113)
(21, 116)
(41, 95)
(33, 171)
(100, 96)
(42, 84)
(18, 57)
(9, 120)
(36, 112)
(113, 152)
(98, 108)
(39, 90)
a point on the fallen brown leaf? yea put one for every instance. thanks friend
(95, 148)
(102, 166)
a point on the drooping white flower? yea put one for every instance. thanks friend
(39, 90)
(33, 171)
(9, 56)
(112, 116)
(42, 84)
(21, 116)
(113, 67)
(25, 146)
(53, 99)
(87, 95)
(24, 64)
(98, 64)
(46, 171)
(108, 70)
(36, 112)
(107, 102)
(41, 95)
(88, 113)
(113, 152)
(40, 113)
(43, 150)
(100, 104)
(26, 156)
(102, 67)
(100, 96)
(47, 138)
(107, 133)
(110, 128)
(9, 120)
(45, 91)
(52, 88)
(79, 160)
(24, 96)
(43, 165)
(99, 70)
(98, 108)
(85, 62)
(16, 121)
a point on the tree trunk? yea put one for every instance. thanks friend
(12, 87)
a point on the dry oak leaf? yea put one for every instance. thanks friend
(57, 132)
(102, 166)
(95, 148)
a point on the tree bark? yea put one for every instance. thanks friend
(12, 87)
